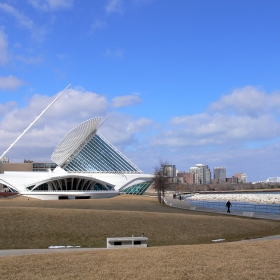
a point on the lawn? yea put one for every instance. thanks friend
(29, 223)
(241, 260)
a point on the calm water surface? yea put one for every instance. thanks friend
(240, 206)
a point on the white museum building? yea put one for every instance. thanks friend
(88, 166)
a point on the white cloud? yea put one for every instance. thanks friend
(121, 129)
(73, 107)
(10, 83)
(125, 100)
(23, 20)
(247, 101)
(5, 108)
(244, 117)
(243, 140)
(114, 6)
(38, 33)
(46, 5)
(3, 47)
(218, 129)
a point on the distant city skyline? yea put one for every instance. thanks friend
(184, 82)
(203, 175)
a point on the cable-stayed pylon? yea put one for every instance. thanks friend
(36, 119)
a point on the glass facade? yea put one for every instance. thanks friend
(98, 155)
(74, 140)
(71, 184)
(137, 189)
(220, 174)
(44, 166)
(85, 150)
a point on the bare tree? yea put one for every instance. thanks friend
(161, 180)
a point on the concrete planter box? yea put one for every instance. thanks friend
(127, 242)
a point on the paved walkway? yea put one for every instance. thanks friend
(185, 205)
(16, 252)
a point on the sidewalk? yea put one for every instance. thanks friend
(17, 252)
(185, 205)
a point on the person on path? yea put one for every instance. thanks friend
(228, 204)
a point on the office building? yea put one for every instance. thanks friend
(170, 170)
(186, 178)
(242, 177)
(220, 174)
(202, 174)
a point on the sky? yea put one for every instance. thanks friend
(181, 81)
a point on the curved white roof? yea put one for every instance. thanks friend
(73, 140)
(19, 181)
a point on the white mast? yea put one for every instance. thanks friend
(34, 122)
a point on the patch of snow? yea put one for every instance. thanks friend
(253, 198)
(63, 247)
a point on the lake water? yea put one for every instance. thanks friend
(239, 206)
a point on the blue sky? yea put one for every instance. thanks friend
(184, 81)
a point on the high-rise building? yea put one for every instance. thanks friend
(232, 180)
(186, 178)
(242, 177)
(4, 160)
(220, 174)
(202, 174)
(197, 176)
(170, 170)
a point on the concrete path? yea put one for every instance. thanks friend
(273, 237)
(185, 205)
(16, 252)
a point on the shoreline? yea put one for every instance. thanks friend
(240, 191)
(238, 197)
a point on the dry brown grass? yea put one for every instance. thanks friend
(242, 260)
(38, 224)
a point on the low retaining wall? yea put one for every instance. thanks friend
(248, 214)
(127, 242)
(8, 194)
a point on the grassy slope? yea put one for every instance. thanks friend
(38, 224)
(242, 260)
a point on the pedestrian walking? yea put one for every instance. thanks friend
(228, 204)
